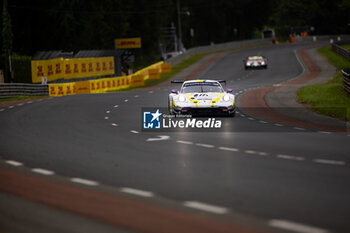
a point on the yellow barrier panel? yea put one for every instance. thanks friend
(165, 68)
(76, 68)
(153, 74)
(86, 65)
(82, 87)
(137, 81)
(68, 69)
(38, 71)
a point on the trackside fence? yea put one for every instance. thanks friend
(22, 89)
(336, 47)
(346, 80)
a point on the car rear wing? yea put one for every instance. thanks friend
(177, 81)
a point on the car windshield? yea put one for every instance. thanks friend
(201, 87)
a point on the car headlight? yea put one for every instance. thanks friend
(182, 98)
(226, 98)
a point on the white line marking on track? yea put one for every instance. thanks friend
(250, 118)
(184, 142)
(114, 124)
(84, 181)
(137, 192)
(264, 122)
(242, 115)
(298, 128)
(1, 110)
(295, 227)
(43, 171)
(205, 145)
(160, 138)
(279, 125)
(250, 152)
(325, 132)
(14, 163)
(126, 100)
(106, 118)
(20, 104)
(11, 107)
(228, 149)
(29, 102)
(136, 96)
(290, 157)
(328, 161)
(134, 131)
(150, 92)
(116, 106)
(108, 112)
(263, 153)
(206, 207)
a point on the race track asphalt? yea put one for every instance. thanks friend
(261, 170)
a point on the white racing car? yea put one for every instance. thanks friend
(202, 97)
(255, 62)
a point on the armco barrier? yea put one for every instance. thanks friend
(346, 80)
(21, 89)
(336, 47)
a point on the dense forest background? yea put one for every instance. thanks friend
(73, 25)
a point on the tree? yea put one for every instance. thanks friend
(7, 38)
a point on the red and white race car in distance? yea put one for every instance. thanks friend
(202, 97)
(255, 62)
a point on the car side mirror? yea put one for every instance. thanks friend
(229, 90)
(174, 91)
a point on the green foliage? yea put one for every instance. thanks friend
(21, 66)
(7, 35)
(73, 25)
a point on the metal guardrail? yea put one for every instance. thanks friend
(346, 80)
(336, 47)
(8, 90)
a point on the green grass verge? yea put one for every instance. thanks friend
(346, 46)
(23, 98)
(328, 98)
